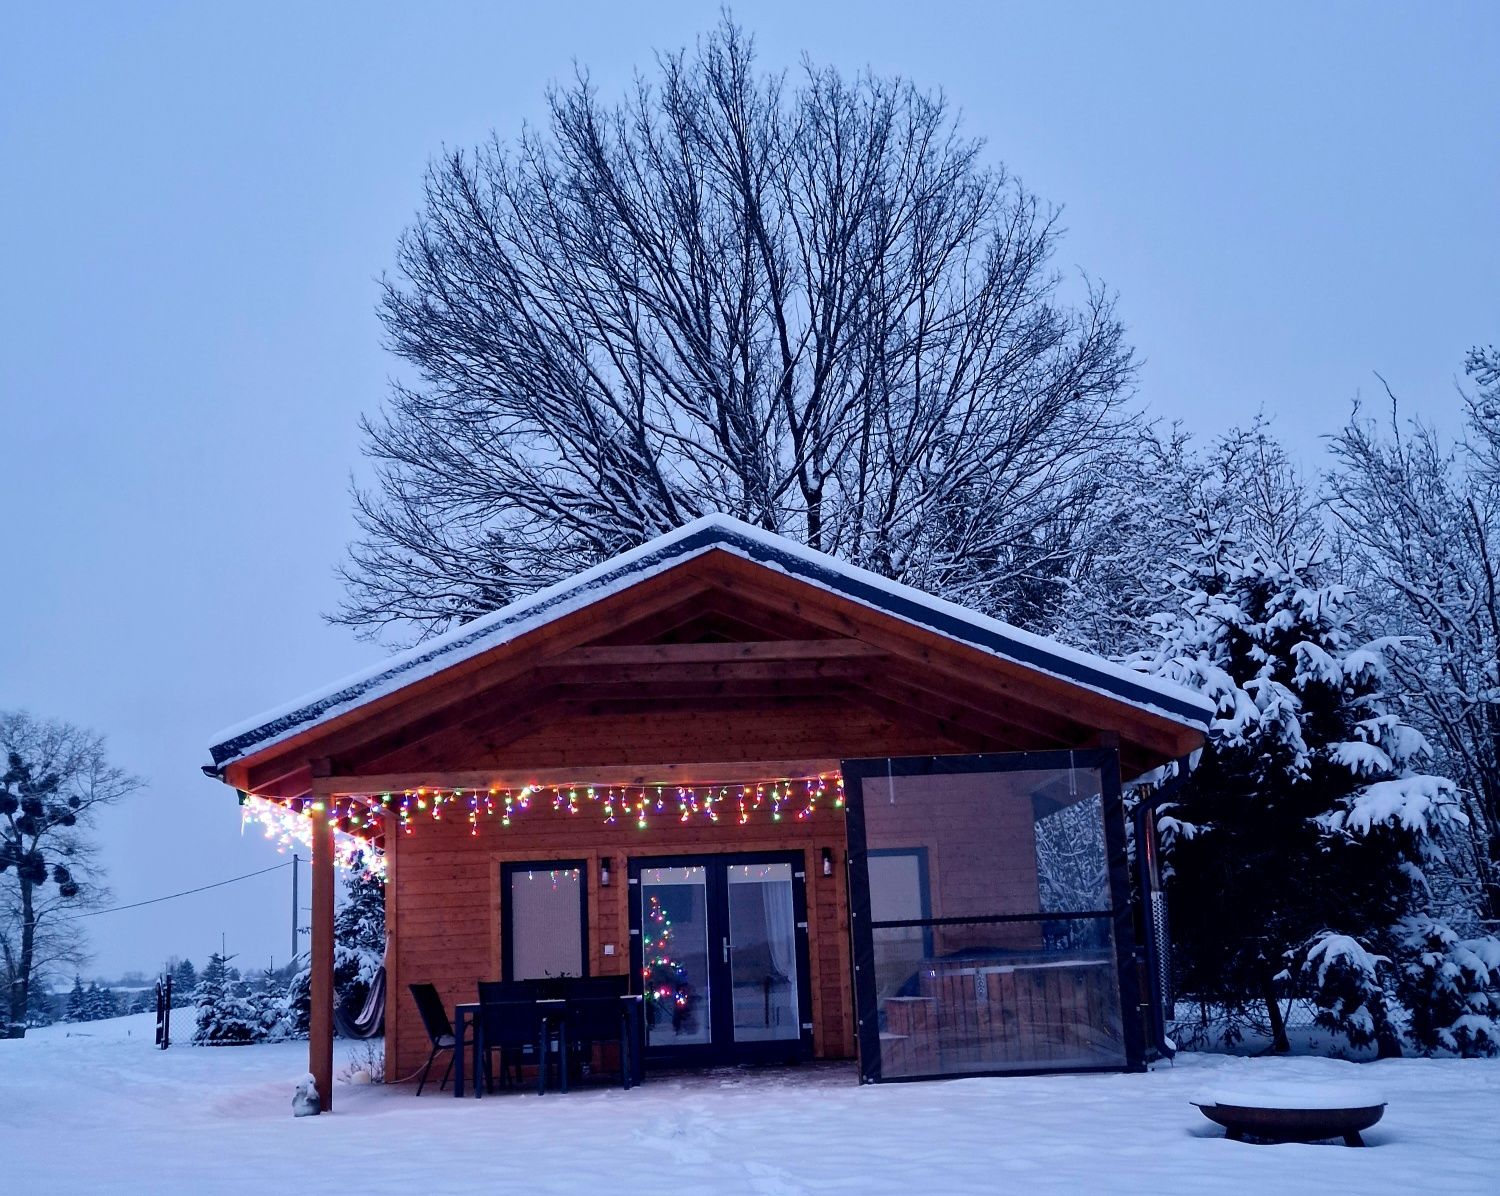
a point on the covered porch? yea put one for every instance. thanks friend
(694, 733)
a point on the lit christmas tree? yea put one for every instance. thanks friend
(666, 984)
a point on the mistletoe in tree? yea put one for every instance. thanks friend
(54, 777)
(666, 986)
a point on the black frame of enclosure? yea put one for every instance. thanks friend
(862, 929)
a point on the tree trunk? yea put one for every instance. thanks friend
(1387, 1038)
(814, 520)
(20, 985)
(1280, 1044)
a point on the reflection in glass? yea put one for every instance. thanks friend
(763, 952)
(546, 922)
(674, 955)
(1072, 862)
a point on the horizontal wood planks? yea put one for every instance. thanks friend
(984, 1016)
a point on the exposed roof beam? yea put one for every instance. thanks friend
(686, 672)
(666, 774)
(714, 653)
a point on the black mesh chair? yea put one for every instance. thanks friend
(511, 1022)
(596, 1012)
(439, 1029)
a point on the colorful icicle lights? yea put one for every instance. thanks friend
(358, 819)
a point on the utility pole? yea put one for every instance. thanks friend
(295, 860)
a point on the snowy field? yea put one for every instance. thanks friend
(94, 1108)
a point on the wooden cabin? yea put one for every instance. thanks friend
(865, 821)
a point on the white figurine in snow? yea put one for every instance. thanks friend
(305, 1101)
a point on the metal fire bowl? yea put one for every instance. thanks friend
(1293, 1125)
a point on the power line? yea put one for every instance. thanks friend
(219, 884)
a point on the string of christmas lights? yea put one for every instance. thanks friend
(738, 801)
(360, 819)
(289, 825)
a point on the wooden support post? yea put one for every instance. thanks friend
(320, 1021)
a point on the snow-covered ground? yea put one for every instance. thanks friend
(95, 1108)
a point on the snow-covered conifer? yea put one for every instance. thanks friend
(1303, 831)
(223, 1016)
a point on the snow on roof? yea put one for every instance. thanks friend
(694, 539)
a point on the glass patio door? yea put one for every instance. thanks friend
(762, 948)
(720, 946)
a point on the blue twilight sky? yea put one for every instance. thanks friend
(196, 200)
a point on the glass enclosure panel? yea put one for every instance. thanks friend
(546, 922)
(674, 955)
(1037, 996)
(763, 952)
(993, 843)
(991, 916)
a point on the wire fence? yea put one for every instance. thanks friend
(1195, 1025)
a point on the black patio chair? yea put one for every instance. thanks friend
(508, 990)
(439, 1029)
(596, 1012)
(552, 988)
(511, 1022)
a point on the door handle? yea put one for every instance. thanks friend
(726, 948)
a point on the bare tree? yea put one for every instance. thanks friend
(1424, 520)
(803, 301)
(56, 777)
(1154, 504)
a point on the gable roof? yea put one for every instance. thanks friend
(703, 535)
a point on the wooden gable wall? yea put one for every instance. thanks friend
(715, 659)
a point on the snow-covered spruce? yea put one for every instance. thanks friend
(358, 952)
(224, 1016)
(1452, 986)
(1298, 846)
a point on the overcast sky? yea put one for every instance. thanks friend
(197, 200)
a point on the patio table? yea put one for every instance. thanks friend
(469, 1028)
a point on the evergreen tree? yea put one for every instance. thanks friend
(184, 982)
(74, 1010)
(359, 932)
(268, 1001)
(42, 1009)
(1451, 985)
(223, 1017)
(1298, 841)
(100, 1002)
(358, 947)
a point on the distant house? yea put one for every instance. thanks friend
(865, 822)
